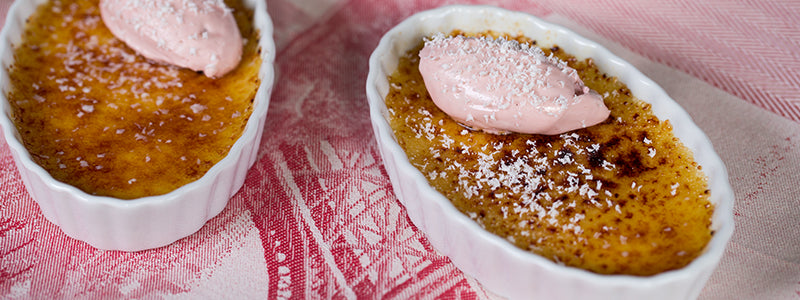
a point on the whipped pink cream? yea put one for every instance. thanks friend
(201, 35)
(502, 86)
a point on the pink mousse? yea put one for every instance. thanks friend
(502, 86)
(201, 35)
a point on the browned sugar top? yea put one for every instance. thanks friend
(98, 116)
(622, 197)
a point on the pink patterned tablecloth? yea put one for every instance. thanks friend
(317, 217)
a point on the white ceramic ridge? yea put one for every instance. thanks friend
(148, 222)
(494, 262)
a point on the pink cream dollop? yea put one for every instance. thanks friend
(502, 86)
(201, 35)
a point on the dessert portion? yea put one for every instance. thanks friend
(621, 197)
(201, 35)
(97, 115)
(500, 85)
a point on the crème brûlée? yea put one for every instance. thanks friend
(100, 117)
(620, 197)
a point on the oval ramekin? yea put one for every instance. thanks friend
(494, 262)
(149, 222)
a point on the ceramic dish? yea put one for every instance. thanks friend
(494, 262)
(149, 222)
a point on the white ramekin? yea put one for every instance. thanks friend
(149, 222)
(494, 262)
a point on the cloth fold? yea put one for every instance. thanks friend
(317, 217)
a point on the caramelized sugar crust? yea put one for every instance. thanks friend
(621, 197)
(98, 116)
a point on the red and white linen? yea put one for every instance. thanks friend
(317, 217)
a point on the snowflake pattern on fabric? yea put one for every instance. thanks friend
(317, 217)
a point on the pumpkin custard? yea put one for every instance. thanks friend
(100, 117)
(620, 197)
